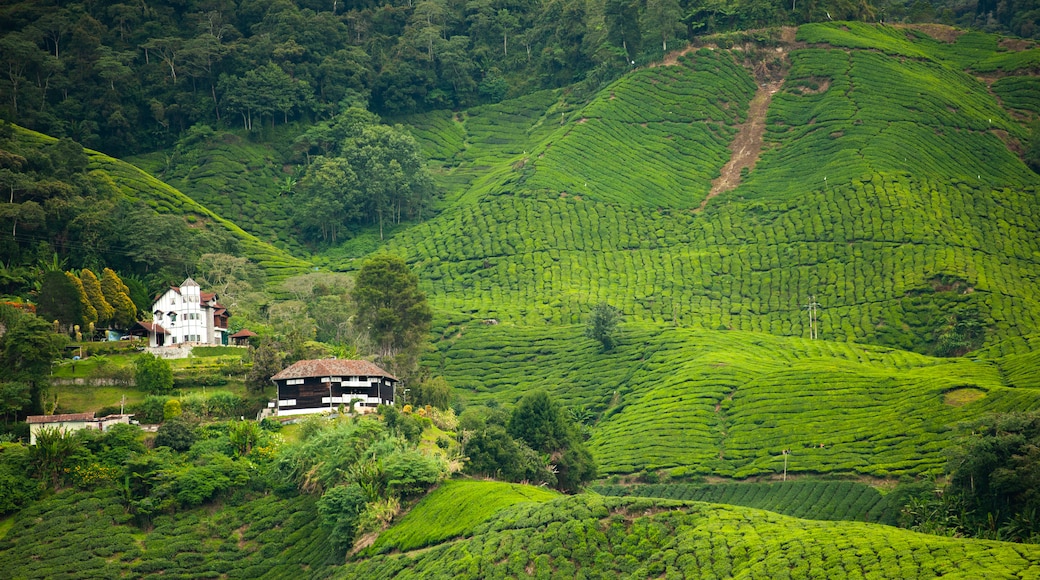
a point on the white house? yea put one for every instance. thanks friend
(186, 314)
(72, 422)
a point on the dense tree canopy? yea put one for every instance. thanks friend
(28, 349)
(124, 77)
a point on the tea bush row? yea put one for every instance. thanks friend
(729, 403)
(454, 509)
(814, 500)
(92, 535)
(639, 538)
(654, 138)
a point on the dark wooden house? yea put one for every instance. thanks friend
(314, 386)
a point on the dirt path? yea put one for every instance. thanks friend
(748, 143)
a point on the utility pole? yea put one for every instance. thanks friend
(814, 325)
(786, 452)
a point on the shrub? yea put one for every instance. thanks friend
(153, 374)
(177, 434)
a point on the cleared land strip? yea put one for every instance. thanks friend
(747, 144)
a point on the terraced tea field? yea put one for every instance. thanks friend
(454, 509)
(588, 536)
(729, 403)
(91, 535)
(838, 207)
(814, 500)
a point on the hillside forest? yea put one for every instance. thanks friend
(672, 288)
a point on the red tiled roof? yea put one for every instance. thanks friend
(207, 296)
(330, 367)
(244, 333)
(152, 327)
(60, 418)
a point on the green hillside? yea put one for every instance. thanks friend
(238, 179)
(808, 499)
(890, 239)
(137, 184)
(455, 509)
(91, 535)
(728, 403)
(589, 536)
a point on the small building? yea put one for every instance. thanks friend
(241, 338)
(317, 386)
(186, 314)
(72, 422)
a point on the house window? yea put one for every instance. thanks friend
(294, 382)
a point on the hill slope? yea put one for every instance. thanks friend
(138, 185)
(590, 536)
(728, 403)
(890, 239)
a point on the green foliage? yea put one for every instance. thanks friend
(454, 510)
(433, 391)
(150, 410)
(363, 171)
(514, 250)
(17, 487)
(995, 473)
(153, 374)
(630, 537)
(54, 454)
(728, 403)
(59, 300)
(28, 349)
(390, 305)
(602, 325)
(808, 499)
(90, 534)
(96, 297)
(268, 360)
(172, 409)
(244, 436)
(543, 425)
(176, 433)
(341, 508)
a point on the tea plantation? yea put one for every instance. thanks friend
(562, 207)
(728, 403)
(809, 499)
(138, 185)
(455, 509)
(589, 536)
(91, 535)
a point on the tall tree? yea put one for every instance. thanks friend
(92, 287)
(28, 350)
(391, 307)
(329, 197)
(59, 299)
(88, 315)
(117, 294)
(541, 423)
(602, 325)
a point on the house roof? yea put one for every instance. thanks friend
(244, 333)
(329, 367)
(68, 417)
(152, 327)
(207, 296)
